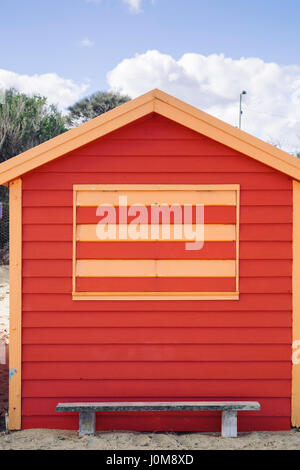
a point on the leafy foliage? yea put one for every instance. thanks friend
(26, 122)
(94, 105)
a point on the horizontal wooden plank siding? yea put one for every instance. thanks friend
(63, 303)
(253, 181)
(248, 232)
(215, 214)
(64, 198)
(148, 250)
(156, 335)
(156, 388)
(156, 318)
(157, 350)
(166, 370)
(248, 268)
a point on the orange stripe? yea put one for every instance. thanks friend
(170, 296)
(155, 268)
(142, 284)
(212, 232)
(153, 250)
(212, 215)
(144, 196)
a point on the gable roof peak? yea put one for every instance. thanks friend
(161, 103)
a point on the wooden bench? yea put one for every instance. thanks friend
(229, 411)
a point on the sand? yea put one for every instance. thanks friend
(59, 440)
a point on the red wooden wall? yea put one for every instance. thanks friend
(157, 350)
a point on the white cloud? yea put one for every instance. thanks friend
(60, 91)
(134, 5)
(86, 42)
(213, 83)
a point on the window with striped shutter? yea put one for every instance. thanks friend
(155, 242)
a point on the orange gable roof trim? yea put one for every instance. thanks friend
(165, 105)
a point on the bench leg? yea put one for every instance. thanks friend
(229, 423)
(86, 423)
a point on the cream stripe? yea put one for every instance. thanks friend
(156, 187)
(148, 197)
(153, 268)
(156, 296)
(212, 232)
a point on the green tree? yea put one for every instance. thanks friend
(94, 105)
(25, 122)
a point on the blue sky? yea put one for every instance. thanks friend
(42, 36)
(65, 49)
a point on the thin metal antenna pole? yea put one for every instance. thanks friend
(241, 111)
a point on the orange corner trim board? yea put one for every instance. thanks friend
(154, 101)
(296, 307)
(15, 303)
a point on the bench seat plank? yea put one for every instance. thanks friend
(160, 406)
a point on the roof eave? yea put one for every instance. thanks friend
(165, 105)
